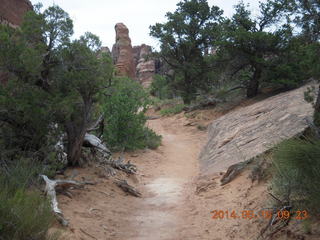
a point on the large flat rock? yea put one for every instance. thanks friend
(250, 131)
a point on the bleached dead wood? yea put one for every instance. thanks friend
(50, 190)
(120, 165)
(61, 154)
(127, 188)
(91, 140)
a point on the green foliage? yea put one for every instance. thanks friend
(160, 87)
(124, 109)
(151, 139)
(249, 46)
(306, 16)
(297, 173)
(186, 35)
(24, 214)
(294, 64)
(309, 95)
(53, 81)
(172, 110)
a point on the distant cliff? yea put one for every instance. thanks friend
(12, 11)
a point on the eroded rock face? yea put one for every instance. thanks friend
(250, 131)
(145, 68)
(12, 11)
(122, 52)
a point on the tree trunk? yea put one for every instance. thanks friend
(75, 142)
(76, 129)
(253, 86)
(316, 115)
(188, 92)
(186, 99)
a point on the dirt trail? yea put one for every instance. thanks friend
(165, 178)
(160, 215)
(176, 202)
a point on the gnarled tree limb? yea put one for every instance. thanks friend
(50, 190)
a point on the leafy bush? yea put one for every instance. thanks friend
(172, 110)
(24, 213)
(160, 87)
(297, 173)
(151, 139)
(125, 119)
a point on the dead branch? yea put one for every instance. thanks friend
(91, 140)
(275, 220)
(120, 165)
(95, 126)
(127, 188)
(274, 197)
(50, 191)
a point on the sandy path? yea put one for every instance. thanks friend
(165, 179)
(176, 202)
(161, 214)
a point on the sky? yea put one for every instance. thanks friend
(100, 16)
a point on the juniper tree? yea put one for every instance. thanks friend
(184, 39)
(52, 80)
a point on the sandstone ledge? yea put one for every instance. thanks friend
(250, 131)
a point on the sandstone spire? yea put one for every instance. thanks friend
(122, 52)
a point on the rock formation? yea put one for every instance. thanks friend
(122, 52)
(250, 131)
(12, 11)
(145, 68)
(133, 62)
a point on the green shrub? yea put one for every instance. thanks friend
(172, 110)
(151, 139)
(297, 173)
(125, 119)
(160, 87)
(24, 213)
